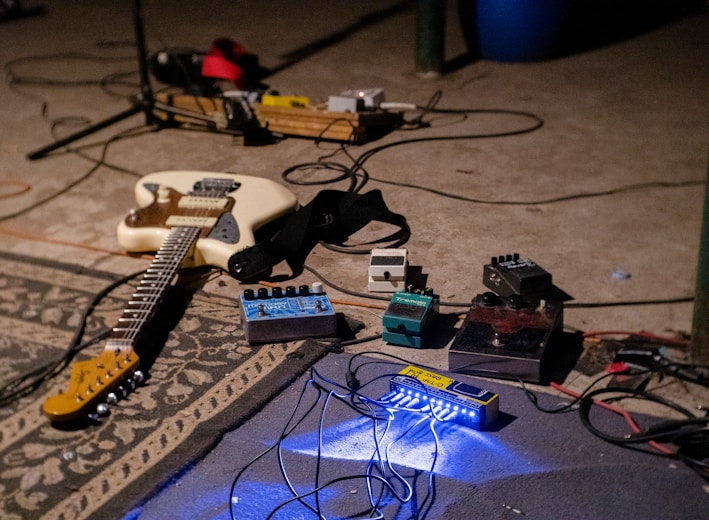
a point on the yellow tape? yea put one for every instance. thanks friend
(284, 101)
(428, 378)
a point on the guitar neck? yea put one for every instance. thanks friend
(152, 287)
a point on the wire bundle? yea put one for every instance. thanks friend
(384, 482)
(684, 439)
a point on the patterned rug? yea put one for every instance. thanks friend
(205, 379)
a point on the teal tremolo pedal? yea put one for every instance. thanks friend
(408, 318)
(296, 313)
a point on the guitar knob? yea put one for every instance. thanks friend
(132, 217)
(163, 194)
(102, 409)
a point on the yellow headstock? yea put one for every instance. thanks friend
(94, 384)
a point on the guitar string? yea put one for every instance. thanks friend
(175, 247)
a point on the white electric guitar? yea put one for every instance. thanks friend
(191, 219)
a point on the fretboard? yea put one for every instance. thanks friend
(152, 287)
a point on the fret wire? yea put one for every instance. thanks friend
(152, 286)
(161, 272)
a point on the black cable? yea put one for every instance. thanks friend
(287, 430)
(369, 296)
(97, 164)
(14, 79)
(367, 411)
(627, 303)
(357, 168)
(332, 482)
(657, 433)
(551, 200)
(568, 305)
(689, 435)
(29, 382)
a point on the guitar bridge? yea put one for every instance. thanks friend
(215, 184)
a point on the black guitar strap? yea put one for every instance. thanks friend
(331, 217)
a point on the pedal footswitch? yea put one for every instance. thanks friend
(387, 270)
(285, 315)
(408, 318)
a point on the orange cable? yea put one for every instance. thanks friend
(359, 304)
(336, 302)
(642, 334)
(40, 238)
(22, 187)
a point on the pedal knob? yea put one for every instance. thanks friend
(277, 292)
(517, 302)
(248, 294)
(490, 299)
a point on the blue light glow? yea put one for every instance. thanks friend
(464, 454)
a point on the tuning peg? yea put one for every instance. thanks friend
(112, 398)
(138, 377)
(102, 409)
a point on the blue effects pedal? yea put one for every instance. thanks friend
(445, 398)
(285, 315)
(408, 318)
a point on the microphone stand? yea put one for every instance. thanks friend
(145, 103)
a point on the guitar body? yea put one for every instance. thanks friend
(257, 202)
(189, 218)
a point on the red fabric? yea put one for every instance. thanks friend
(222, 62)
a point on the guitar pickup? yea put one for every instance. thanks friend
(190, 221)
(191, 201)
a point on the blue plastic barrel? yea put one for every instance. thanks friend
(521, 30)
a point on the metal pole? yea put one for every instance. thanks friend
(430, 37)
(700, 323)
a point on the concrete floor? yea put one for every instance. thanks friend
(623, 114)
(631, 112)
